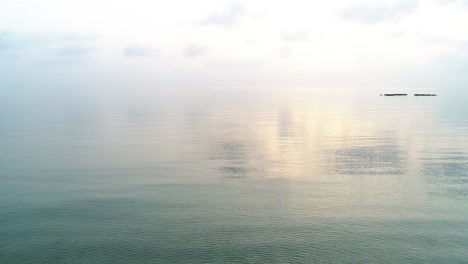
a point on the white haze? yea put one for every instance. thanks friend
(403, 43)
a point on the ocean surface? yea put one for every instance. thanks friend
(233, 175)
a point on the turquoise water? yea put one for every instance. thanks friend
(233, 176)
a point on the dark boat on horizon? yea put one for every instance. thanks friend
(395, 94)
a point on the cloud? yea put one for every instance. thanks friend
(76, 50)
(48, 43)
(194, 50)
(227, 18)
(232, 64)
(455, 61)
(13, 41)
(39, 49)
(296, 36)
(444, 2)
(137, 51)
(463, 3)
(46, 57)
(372, 13)
(284, 52)
(6, 41)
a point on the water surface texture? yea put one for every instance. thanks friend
(233, 176)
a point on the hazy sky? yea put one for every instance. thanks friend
(402, 43)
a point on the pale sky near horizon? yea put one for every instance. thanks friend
(402, 43)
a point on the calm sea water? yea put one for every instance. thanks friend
(232, 176)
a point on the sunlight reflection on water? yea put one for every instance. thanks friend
(241, 175)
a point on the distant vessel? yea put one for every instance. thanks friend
(407, 94)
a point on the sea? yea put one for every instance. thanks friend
(233, 175)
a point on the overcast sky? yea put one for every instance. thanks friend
(402, 43)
